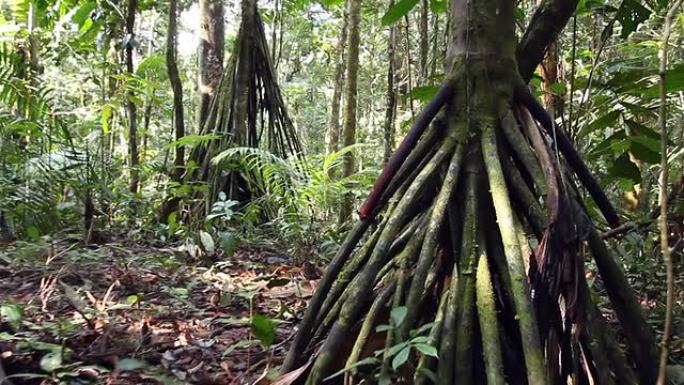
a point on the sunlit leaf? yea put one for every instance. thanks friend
(423, 93)
(51, 361)
(84, 13)
(397, 11)
(207, 242)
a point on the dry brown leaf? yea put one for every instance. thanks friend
(290, 377)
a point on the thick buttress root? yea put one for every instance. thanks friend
(442, 264)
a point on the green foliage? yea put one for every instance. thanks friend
(398, 10)
(630, 15)
(264, 329)
(300, 198)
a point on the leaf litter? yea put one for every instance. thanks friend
(125, 314)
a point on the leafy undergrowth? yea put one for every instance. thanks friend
(121, 314)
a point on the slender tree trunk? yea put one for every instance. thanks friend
(391, 106)
(664, 180)
(424, 40)
(177, 87)
(212, 38)
(277, 15)
(147, 114)
(349, 128)
(408, 67)
(242, 77)
(134, 161)
(551, 75)
(333, 137)
(436, 58)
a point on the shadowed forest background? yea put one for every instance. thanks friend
(341, 191)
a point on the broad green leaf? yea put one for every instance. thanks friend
(600, 123)
(642, 130)
(644, 153)
(630, 14)
(51, 361)
(396, 348)
(398, 314)
(438, 6)
(650, 143)
(615, 143)
(133, 299)
(193, 140)
(401, 357)
(427, 350)
(228, 243)
(331, 3)
(420, 340)
(423, 93)
(639, 111)
(397, 11)
(83, 13)
(624, 168)
(207, 242)
(382, 328)
(106, 115)
(264, 329)
(674, 82)
(12, 314)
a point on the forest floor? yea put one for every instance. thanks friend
(124, 313)
(127, 314)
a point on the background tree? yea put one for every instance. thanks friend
(333, 134)
(132, 108)
(212, 41)
(350, 97)
(177, 87)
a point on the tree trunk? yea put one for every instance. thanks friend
(448, 228)
(333, 137)
(132, 109)
(212, 37)
(177, 87)
(242, 76)
(391, 106)
(349, 128)
(424, 41)
(551, 74)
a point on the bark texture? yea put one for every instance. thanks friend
(333, 136)
(212, 40)
(177, 87)
(449, 228)
(350, 92)
(131, 108)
